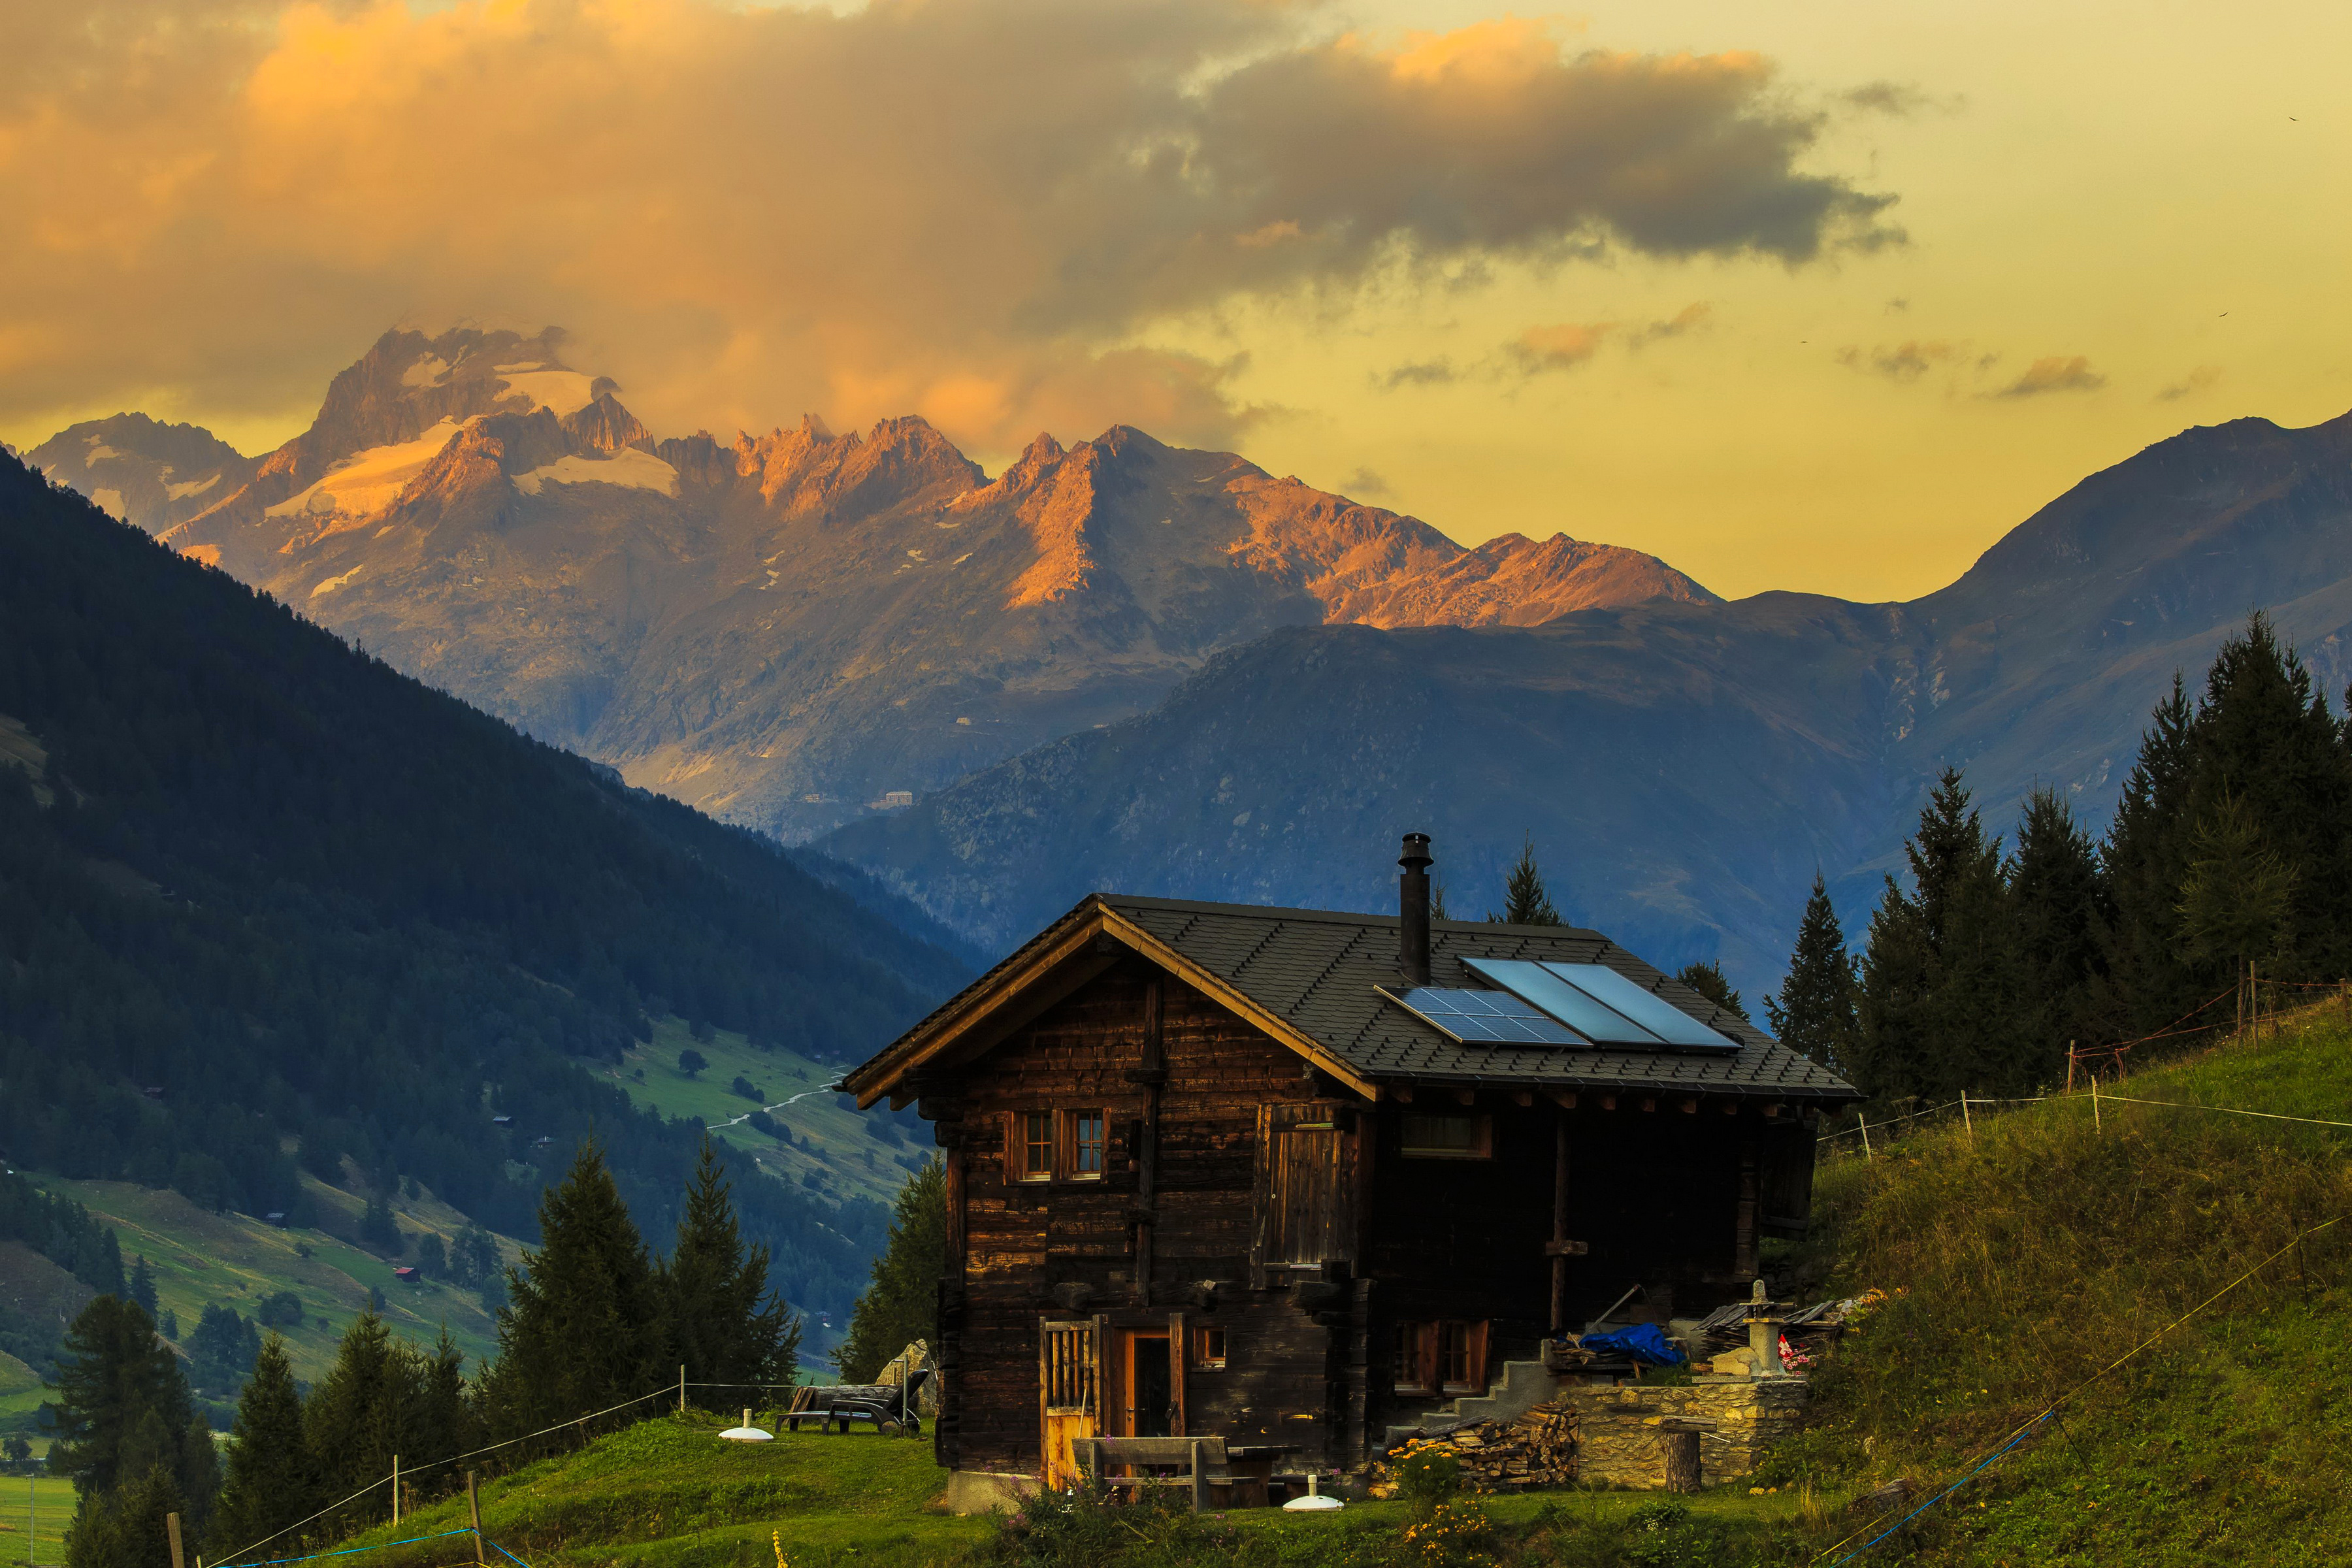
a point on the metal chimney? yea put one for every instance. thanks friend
(1412, 909)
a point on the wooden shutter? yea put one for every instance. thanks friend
(1307, 1189)
(1069, 1391)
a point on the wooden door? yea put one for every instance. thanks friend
(1069, 1392)
(1147, 1391)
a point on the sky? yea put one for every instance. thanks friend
(1822, 296)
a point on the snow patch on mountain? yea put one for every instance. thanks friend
(368, 481)
(629, 467)
(99, 452)
(430, 371)
(110, 504)
(561, 391)
(331, 584)
(193, 488)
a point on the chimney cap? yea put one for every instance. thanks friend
(1416, 851)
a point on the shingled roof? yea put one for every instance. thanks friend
(1308, 976)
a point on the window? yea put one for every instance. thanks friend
(1209, 1349)
(1087, 1143)
(1448, 1137)
(1034, 1161)
(1446, 1356)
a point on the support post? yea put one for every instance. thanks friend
(1199, 1482)
(395, 1488)
(2098, 1125)
(1966, 1119)
(171, 1528)
(1681, 1450)
(1559, 1224)
(681, 1390)
(1147, 1159)
(1864, 1121)
(474, 1511)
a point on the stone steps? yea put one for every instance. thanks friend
(1523, 1385)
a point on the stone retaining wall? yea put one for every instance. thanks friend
(1617, 1445)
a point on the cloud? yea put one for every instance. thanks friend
(1895, 100)
(1904, 362)
(1419, 373)
(1563, 346)
(2195, 382)
(2054, 373)
(981, 210)
(1689, 319)
(1365, 485)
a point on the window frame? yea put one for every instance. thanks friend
(1424, 1354)
(1021, 1147)
(1209, 1349)
(1074, 1143)
(1480, 1147)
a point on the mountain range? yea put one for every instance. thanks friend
(1682, 768)
(787, 630)
(1120, 664)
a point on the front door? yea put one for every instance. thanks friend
(1069, 1394)
(1151, 1395)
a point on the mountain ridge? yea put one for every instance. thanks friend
(785, 628)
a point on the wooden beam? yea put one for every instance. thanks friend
(1773, 1109)
(1402, 1094)
(1521, 1097)
(1648, 1103)
(1690, 1106)
(1564, 1098)
(1558, 1225)
(1608, 1102)
(1465, 1097)
(1732, 1108)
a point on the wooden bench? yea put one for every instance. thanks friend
(1200, 1462)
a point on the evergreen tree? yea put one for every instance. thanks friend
(2237, 901)
(2146, 857)
(222, 1348)
(270, 1485)
(1707, 980)
(901, 1305)
(724, 1325)
(143, 1286)
(1938, 988)
(1813, 1013)
(122, 1406)
(2059, 916)
(125, 1527)
(584, 1329)
(364, 1410)
(1524, 902)
(378, 1229)
(446, 1422)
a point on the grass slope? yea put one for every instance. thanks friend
(2035, 1255)
(34, 1509)
(838, 1152)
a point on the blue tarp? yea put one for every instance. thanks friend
(1642, 1342)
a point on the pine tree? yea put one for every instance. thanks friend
(125, 1527)
(143, 1286)
(724, 1326)
(1813, 1013)
(121, 1402)
(363, 1411)
(901, 1304)
(2237, 901)
(270, 1485)
(1937, 990)
(583, 1328)
(1524, 902)
(2146, 856)
(2059, 916)
(1707, 980)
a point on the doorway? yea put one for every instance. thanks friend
(1149, 1386)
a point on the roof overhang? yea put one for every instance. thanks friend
(1065, 956)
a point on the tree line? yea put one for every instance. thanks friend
(593, 1319)
(2225, 862)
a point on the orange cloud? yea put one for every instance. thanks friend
(975, 208)
(2054, 373)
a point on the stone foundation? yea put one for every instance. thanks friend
(1617, 1437)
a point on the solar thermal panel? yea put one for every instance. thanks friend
(1653, 1012)
(1579, 1009)
(1482, 1018)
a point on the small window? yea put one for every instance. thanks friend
(1209, 1349)
(1448, 1137)
(1086, 1142)
(1036, 1148)
(1446, 1356)
(1411, 1377)
(1456, 1355)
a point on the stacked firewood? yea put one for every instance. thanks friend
(1534, 1449)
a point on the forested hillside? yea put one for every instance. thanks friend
(267, 903)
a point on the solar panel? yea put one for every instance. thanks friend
(1482, 1018)
(1578, 1009)
(1653, 1012)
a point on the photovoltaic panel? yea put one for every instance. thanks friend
(1482, 1018)
(1653, 1012)
(1596, 1021)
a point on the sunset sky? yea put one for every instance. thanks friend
(1822, 296)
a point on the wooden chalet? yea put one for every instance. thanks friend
(1217, 1169)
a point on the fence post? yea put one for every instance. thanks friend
(2097, 1124)
(1864, 1123)
(395, 1488)
(171, 1528)
(1968, 1120)
(474, 1508)
(2070, 1067)
(681, 1390)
